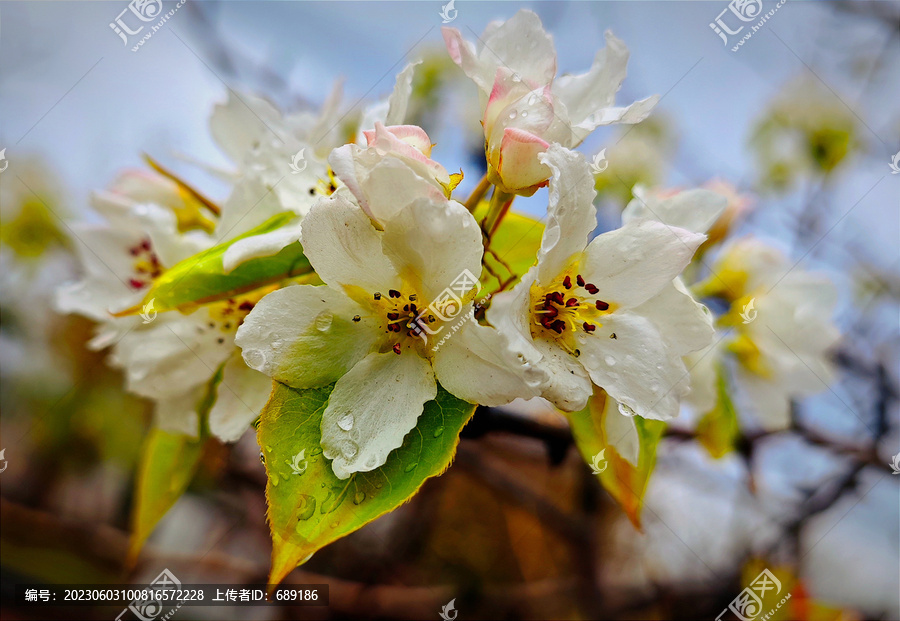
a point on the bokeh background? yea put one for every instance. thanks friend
(518, 527)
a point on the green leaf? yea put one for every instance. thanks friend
(625, 482)
(201, 279)
(513, 248)
(308, 511)
(167, 466)
(718, 429)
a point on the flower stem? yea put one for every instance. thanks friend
(499, 207)
(477, 194)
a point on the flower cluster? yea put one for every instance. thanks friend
(351, 270)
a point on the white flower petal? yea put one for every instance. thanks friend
(344, 248)
(433, 242)
(584, 94)
(519, 44)
(251, 203)
(571, 215)
(172, 354)
(694, 210)
(265, 245)
(637, 368)
(240, 123)
(305, 336)
(475, 365)
(178, 413)
(621, 432)
(684, 324)
(240, 396)
(372, 408)
(632, 264)
(568, 386)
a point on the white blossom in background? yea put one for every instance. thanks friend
(608, 312)
(783, 352)
(526, 107)
(366, 329)
(172, 358)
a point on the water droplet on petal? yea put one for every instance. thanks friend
(532, 99)
(610, 361)
(524, 113)
(346, 422)
(513, 115)
(626, 410)
(254, 358)
(323, 321)
(349, 449)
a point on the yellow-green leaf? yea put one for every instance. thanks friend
(201, 279)
(309, 510)
(625, 482)
(167, 466)
(718, 429)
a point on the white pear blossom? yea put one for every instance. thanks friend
(373, 326)
(170, 357)
(526, 107)
(609, 312)
(779, 330)
(402, 155)
(287, 155)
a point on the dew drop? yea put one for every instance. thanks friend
(359, 497)
(524, 113)
(273, 480)
(513, 115)
(306, 508)
(346, 422)
(379, 485)
(348, 449)
(323, 321)
(254, 358)
(626, 410)
(262, 458)
(438, 432)
(610, 361)
(532, 99)
(411, 467)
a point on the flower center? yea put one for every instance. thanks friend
(403, 315)
(566, 307)
(146, 265)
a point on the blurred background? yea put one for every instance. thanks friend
(802, 121)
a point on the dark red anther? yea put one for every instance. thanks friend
(589, 327)
(246, 306)
(601, 305)
(145, 244)
(134, 251)
(551, 312)
(377, 296)
(567, 282)
(135, 283)
(556, 297)
(394, 293)
(571, 302)
(397, 348)
(393, 316)
(579, 280)
(558, 326)
(592, 289)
